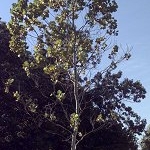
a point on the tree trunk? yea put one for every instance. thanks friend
(73, 143)
(76, 96)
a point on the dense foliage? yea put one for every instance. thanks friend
(145, 144)
(48, 99)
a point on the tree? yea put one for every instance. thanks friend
(145, 144)
(19, 129)
(113, 138)
(58, 43)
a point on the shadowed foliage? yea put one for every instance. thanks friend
(33, 116)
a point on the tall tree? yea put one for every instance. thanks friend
(145, 144)
(59, 43)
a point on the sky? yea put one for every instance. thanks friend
(134, 32)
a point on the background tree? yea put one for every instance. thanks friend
(58, 50)
(19, 125)
(145, 144)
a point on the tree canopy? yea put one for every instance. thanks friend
(49, 100)
(145, 143)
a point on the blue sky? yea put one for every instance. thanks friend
(134, 30)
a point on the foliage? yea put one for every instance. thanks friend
(110, 138)
(145, 144)
(47, 94)
(53, 30)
